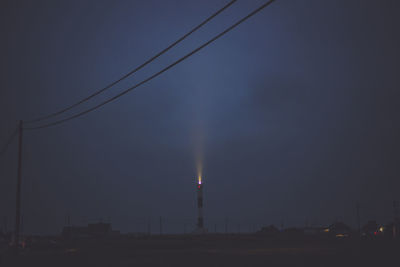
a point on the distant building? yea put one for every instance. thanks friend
(92, 230)
(269, 230)
(387, 231)
(72, 232)
(314, 230)
(370, 229)
(99, 229)
(339, 230)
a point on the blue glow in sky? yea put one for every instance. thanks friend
(296, 112)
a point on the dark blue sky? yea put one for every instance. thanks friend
(296, 110)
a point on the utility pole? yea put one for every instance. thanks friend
(22, 225)
(5, 224)
(358, 218)
(18, 194)
(395, 218)
(161, 225)
(149, 226)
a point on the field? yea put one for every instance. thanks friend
(209, 250)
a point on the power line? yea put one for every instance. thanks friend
(136, 69)
(10, 139)
(158, 73)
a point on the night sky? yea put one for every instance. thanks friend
(295, 113)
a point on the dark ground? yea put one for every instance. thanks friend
(211, 250)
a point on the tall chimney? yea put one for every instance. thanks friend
(200, 221)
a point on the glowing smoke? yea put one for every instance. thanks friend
(199, 151)
(199, 166)
(199, 155)
(199, 121)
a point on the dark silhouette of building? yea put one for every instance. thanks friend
(370, 229)
(269, 230)
(99, 229)
(339, 230)
(92, 230)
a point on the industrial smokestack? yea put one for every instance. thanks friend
(200, 220)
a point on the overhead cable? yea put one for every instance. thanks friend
(134, 70)
(159, 72)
